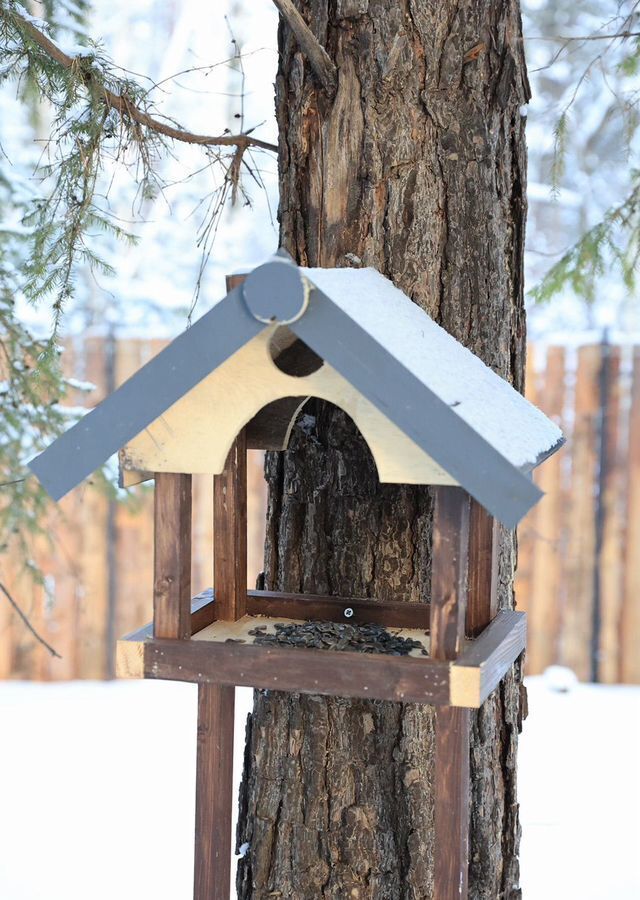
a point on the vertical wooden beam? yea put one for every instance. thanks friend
(450, 555)
(450, 550)
(230, 524)
(482, 595)
(453, 799)
(581, 519)
(230, 533)
(172, 556)
(629, 629)
(214, 767)
(214, 792)
(234, 280)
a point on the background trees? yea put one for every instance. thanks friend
(582, 137)
(415, 165)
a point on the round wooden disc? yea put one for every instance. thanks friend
(276, 292)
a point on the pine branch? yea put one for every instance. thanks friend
(125, 105)
(612, 244)
(319, 60)
(100, 119)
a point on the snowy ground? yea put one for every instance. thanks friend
(96, 791)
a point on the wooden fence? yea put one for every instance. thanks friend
(579, 570)
(579, 562)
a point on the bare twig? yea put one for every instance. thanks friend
(567, 39)
(125, 106)
(27, 623)
(319, 59)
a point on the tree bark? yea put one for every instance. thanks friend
(417, 167)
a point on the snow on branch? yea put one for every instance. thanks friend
(126, 107)
(100, 119)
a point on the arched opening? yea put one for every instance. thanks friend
(338, 462)
(291, 355)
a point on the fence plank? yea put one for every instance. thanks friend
(65, 578)
(65, 571)
(610, 565)
(134, 521)
(576, 637)
(526, 528)
(557, 541)
(629, 669)
(545, 586)
(92, 517)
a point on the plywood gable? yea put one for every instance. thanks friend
(195, 434)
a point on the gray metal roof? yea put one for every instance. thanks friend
(463, 415)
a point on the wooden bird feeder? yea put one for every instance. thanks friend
(431, 413)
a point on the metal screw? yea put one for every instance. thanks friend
(348, 612)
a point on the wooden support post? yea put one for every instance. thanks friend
(172, 556)
(230, 534)
(230, 524)
(450, 552)
(448, 610)
(214, 792)
(216, 703)
(452, 803)
(482, 599)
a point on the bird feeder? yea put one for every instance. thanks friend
(431, 413)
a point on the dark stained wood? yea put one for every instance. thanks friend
(234, 281)
(449, 571)
(343, 674)
(202, 614)
(214, 792)
(497, 648)
(230, 533)
(451, 780)
(488, 658)
(331, 609)
(172, 556)
(277, 604)
(203, 610)
(451, 539)
(214, 797)
(482, 593)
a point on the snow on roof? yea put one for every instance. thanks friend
(489, 404)
(466, 418)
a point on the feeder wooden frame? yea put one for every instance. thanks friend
(472, 647)
(425, 423)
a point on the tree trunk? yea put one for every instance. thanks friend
(416, 167)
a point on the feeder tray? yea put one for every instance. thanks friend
(227, 653)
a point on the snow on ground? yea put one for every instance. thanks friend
(580, 793)
(96, 791)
